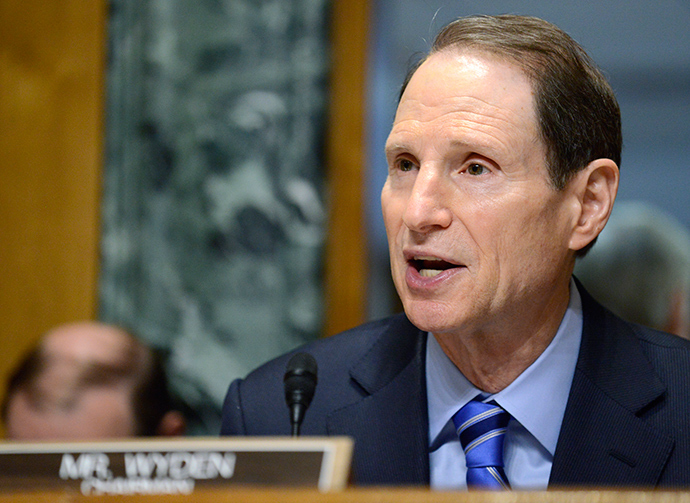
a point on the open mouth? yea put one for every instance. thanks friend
(429, 267)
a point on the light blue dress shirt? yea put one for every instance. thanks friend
(536, 400)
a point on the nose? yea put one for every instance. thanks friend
(428, 207)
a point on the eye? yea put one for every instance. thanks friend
(405, 164)
(476, 169)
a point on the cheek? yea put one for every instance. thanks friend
(517, 235)
(536, 238)
(392, 210)
(492, 227)
(110, 411)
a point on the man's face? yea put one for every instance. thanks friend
(62, 406)
(96, 413)
(61, 410)
(476, 232)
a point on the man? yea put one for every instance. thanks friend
(89, 381)
(640, 268)
(503, 167)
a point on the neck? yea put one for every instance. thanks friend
(492, 357)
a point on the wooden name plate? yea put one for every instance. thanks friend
(179, 466)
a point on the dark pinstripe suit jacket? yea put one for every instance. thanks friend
(627, 422)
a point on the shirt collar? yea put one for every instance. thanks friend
(549, 376)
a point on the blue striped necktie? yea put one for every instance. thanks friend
(481, 428)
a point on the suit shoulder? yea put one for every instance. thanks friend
(251, 403)
(661, 339)
(339, 352)
(669, 355)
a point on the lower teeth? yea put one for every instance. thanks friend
(429, 273)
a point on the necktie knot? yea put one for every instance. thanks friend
(481, 428)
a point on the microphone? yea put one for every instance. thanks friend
(300, 383)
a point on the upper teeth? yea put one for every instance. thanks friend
(423, 257)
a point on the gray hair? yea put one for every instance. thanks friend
(641, 260)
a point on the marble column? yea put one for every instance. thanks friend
(213, 202)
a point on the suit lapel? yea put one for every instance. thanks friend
(390, 423)
(603, 440)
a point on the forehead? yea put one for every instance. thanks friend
(468, 70)
(474, 88)
(90, 343)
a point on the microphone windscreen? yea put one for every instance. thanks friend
(302, 363)
(300, 378)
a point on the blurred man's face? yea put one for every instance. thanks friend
(476, 231)
(94, 412)
(72, 399)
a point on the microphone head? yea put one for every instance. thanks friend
(300, 379)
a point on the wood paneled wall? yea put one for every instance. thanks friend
(52, 55)
(346, 257)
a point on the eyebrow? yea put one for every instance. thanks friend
(395, 147)
(454, 144)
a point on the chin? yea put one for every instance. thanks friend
(432, 317)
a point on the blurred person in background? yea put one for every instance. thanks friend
(640, 268)
(88, 381)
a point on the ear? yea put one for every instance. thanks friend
(172, 424)
(595, 188)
